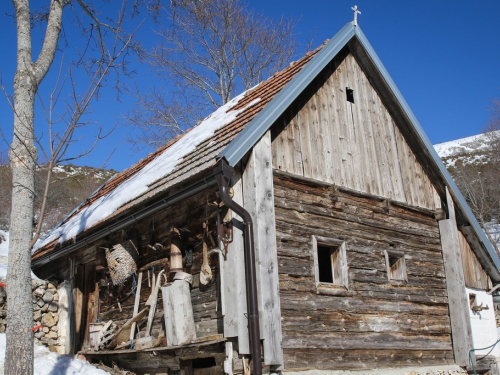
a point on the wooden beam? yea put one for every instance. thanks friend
(233, 284)
(458, 303)
(258, 196)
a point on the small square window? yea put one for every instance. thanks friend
(396, 266)
(330, 262)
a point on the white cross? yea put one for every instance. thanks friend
(356, 11)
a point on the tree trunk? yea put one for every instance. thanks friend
(23, 156)
(23, 159)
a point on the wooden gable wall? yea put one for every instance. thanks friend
(354, 145)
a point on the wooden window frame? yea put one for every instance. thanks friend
(397, 271)
(340, 270)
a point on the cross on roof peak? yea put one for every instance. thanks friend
(356, 11)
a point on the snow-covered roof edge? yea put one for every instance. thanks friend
(138, 184)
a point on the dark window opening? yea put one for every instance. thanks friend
(204, 362)
(349, 94)
(325, 264)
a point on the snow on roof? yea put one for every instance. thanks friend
(139, 183)
(182, 158)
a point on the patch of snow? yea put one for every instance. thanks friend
(4, 252)
(4, 255)
(47, 362)
(461, 146)
(138, 184)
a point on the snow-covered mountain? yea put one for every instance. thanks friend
(469, 150)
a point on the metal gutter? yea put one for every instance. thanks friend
(250, 268)
(249, 136)
(459, 199)
(191, 190)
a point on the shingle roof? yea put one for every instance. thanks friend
(193, 161)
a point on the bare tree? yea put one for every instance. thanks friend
(104, 47)
(210, 51)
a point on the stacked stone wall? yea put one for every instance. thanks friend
(50, 310)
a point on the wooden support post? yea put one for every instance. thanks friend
(455, 283)
(258, 196)
(136, 305)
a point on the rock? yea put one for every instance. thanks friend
(55, 329)
(51, 335)
(39, 335)
(45, 329)
(37, 316)
(45, 308)
(39, 292)
(3, 321)
(52, 291)
(2, 329)
(51, 342)
(50, 319)
(3, 313)
(52, 284)
(40, 302)
(48, 297)
(56, 297)
(53, 307)
(34, 299)
(36, 307)
(38, 283)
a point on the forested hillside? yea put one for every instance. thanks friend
(71, 185)
(474, 163)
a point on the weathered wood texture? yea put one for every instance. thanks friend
(354, 145)
(474, 274)
(455, 282)
(205, 300)
(233, 278)
(258, 200)
(374, 322)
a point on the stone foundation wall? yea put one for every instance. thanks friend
(50, 309)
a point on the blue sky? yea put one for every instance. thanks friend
(444, 56)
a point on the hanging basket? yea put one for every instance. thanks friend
(122, 261)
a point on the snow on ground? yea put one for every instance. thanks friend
(47, 362)
(138, 184)
(4, 251)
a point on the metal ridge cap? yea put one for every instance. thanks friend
(245, 140)
(460, 200)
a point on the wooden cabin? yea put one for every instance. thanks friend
(308, 224)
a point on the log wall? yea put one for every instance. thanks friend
(189, 215)
(374, 322)
(354, 145)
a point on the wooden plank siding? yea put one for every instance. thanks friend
(474, 274)
(387, 323)
(259, 202)
(354, 145)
